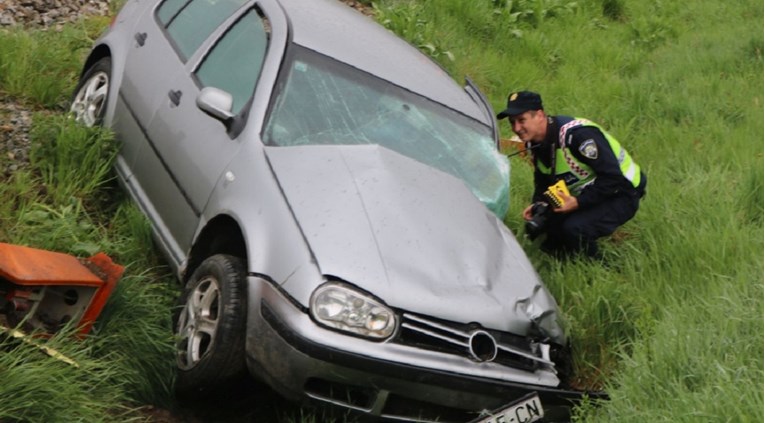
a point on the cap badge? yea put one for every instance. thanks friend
(512, 97)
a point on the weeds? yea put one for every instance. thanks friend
(74, 160)
(41, 67)
(407, 21)
(39, 388)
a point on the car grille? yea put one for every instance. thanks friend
(471, 341)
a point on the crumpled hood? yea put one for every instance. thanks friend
(412, 235)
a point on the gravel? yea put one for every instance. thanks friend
(15, 121)
(48, 13)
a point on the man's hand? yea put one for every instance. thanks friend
(570, 203)
(527, 212)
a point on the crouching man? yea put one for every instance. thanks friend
(604, 184)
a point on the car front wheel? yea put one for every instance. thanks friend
(91, 93)
(210, 327)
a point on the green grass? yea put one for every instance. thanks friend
(41, 389)
(42, 68)
(67, 201)
(74, 161)
(672, 329)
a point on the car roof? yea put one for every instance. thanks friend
(336, 30)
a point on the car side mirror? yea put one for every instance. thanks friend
(216, 103)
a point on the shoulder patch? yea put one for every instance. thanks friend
(589, 149)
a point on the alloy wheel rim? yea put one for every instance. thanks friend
(89, 103)
(198, 323)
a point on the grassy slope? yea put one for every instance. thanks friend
(673, 329)
(64, 201)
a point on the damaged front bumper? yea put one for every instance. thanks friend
(388, 380)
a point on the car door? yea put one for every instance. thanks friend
(150, 63)
(191, 148)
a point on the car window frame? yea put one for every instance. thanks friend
(240, 119)
(213, 34)
(192, 63)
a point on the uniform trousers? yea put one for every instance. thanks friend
(579, 230)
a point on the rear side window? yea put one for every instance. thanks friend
(190, 22)
(169, 9)
(234, 64)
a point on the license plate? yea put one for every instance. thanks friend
(524, 410)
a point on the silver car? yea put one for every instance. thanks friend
(331, 200)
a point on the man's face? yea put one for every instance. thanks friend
(530, 126)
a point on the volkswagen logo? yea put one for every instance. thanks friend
(483, 346)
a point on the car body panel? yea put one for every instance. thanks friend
(276, 246)
(337, 31)
(165, 136)
(274, 312)
(393, 225)
(406, 233)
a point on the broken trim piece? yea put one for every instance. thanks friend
(47, 290)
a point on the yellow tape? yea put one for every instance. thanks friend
(47, 350)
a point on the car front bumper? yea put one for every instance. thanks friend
(301, 360)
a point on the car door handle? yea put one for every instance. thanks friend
(140, 37)
(175, 97)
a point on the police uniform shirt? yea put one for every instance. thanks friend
(588, 145)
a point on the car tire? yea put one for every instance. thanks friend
(92, 93)
(210, 327)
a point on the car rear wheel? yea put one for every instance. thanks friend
(91, 93)
(210, 327)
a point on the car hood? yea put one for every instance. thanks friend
(412, 235)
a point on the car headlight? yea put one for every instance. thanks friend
(341, 307)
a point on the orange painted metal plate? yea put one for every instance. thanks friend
(30, 266)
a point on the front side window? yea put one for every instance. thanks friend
(321, 101)
(234, 63)
(190, 22)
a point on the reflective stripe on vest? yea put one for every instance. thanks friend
(581, 171)
(573, 164)
(629, 168)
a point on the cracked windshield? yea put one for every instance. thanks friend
(323, 102)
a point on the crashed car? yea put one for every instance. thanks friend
(331, 200)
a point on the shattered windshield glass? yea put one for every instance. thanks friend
(323, 102)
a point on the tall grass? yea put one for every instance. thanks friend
(74, 161)
(672, 328)
(39, 388)
(67, 201)
(127, 360)
(41, 67)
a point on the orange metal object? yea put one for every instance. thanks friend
(60, 285)
(29, 266)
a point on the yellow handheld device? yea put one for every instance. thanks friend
(552, 195)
